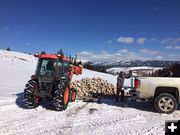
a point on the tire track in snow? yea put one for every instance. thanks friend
(15, 120)
(114, 123)
(71, 115)
(77, 119)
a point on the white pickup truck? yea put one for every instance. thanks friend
(162, 91)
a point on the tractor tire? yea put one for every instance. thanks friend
(61, 96)
(165, 103)
(73, 95)
(31, 100)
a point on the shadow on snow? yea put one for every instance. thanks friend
(109, 100)
(20, 103)
(128, 103)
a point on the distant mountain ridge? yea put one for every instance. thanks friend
(135, 63)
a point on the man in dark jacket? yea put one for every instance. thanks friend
(120, 83)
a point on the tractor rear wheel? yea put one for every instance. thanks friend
(30, 99)
(61, 96)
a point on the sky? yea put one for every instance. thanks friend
(100, 30)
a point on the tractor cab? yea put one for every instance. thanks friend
(52, 67)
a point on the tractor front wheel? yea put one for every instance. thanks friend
(61, 96)
(30, 99)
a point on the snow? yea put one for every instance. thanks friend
(15, 70)
(82, 118)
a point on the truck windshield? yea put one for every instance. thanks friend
(46, 67)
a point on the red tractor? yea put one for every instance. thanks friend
(52, 80)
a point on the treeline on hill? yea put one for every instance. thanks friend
(91, 66)
(172, 71)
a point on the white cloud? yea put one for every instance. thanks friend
(159, 57)
(130, 40)
(126, 40)
(123, 51)
(176, 40)
(177, 47)
(170, 41)
(172, 55)
(125, 55)
(167, 41)
(86, 53)
(149, 52)
(109, 41)
(152, 40)
(169, 47)
(141, 40)
(122, 54)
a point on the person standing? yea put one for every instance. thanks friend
(119, 85)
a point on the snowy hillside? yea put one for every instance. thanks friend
(15, 70)
(80, 118)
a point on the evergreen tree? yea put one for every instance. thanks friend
(70, 58)
(8, 49)
(61, 52)
(43, 52)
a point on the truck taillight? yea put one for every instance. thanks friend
(136, 83)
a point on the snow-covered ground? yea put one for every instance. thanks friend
(80, 118)
(15, 70)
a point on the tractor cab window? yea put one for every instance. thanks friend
(63, 68)
(66, 68)
(47, 67)
(60, 68)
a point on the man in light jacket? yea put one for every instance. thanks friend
(120, 83)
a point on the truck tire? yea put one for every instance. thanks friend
(61, 96)
(73, 95)
(165, 103)
(30, 99)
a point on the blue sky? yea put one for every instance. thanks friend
(103, 30)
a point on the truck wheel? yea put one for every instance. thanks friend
(61, 97)
(165, 103)
(30, 99)
(73, 94)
